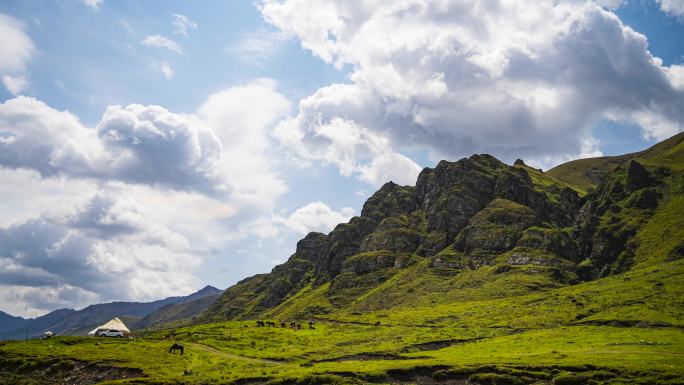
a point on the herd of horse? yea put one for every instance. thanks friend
(293, 325)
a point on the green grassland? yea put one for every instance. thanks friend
(481, 310)
(629, 330)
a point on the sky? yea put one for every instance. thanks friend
(149, 148)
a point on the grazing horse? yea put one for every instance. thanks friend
(176, 346)
(311, 325)
(577, 303)
(377, 323)
(283, 325)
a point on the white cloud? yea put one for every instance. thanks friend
(656, 125)
(167, 70)
(514, 79)
(107, 249)
(222, 149)
(15, 84)
(676, 74)
(95, 4)
(129, 209)
(25, 194)
(181, 24)
(140, 144)
(611, 4)
(672, 7)
(16, 49)
(242, 118)
(160, 41)
(34, 301)
(316, 216)
(38, 137)
(354, 149)
(259, 47)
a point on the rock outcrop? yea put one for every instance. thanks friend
(475, 213)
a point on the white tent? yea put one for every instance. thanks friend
(114, 324)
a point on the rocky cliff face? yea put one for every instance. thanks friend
(612, 215)
(463, 216)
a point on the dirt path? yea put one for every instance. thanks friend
(341, 322)
(216, 352)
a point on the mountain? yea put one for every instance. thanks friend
(72, 322)
(36, 326)
(177, 312)
(480, 229)
(587, 173)
(9, 322)
(207, 291)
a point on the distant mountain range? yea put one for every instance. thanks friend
(134, 314)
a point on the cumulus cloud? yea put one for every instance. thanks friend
(182, 23)
(15, 51)
(141, 144)
(672, 7)
(515, 79)
(354, 149)
(220, 149)
(159, 41)
(153, 145)
(129, 208)
(242, 118)
(316, 216)
(25, 194)
(36, 136)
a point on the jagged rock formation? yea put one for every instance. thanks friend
(477, 214)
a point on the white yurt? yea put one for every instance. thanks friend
(114, 324)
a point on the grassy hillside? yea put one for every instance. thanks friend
(629, 331)
(482, 273)
(584, 174)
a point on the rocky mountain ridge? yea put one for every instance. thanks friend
(473, 216)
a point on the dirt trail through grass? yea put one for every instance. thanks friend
(216, 352)
(342, 322)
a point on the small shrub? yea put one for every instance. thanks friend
(572, 379)
(499, 379)
(375, 377)
(445, 374)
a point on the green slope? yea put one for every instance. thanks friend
(584, 174)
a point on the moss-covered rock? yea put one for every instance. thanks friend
(553, 240)
(370, 261)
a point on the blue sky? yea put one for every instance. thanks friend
(150, 148)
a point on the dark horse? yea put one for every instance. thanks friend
(175, 347)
